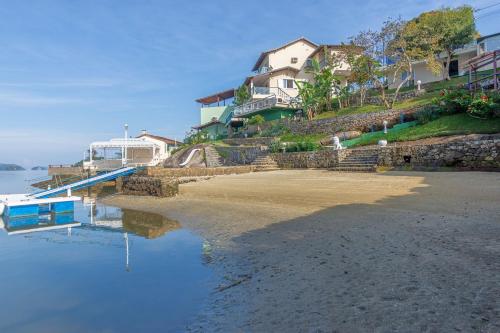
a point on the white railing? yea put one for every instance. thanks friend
(255, 106)
(276, 96)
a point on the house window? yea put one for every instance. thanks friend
(294, 60)
(309, 63)
(288, 83)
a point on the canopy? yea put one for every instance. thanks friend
(121, 143)
(218, 97)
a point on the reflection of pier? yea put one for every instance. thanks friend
(34, 223)
(103, 223)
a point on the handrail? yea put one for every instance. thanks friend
(188, 159)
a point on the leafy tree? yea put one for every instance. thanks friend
(318, 94)
(257, 120)
(242, 95)
(444, 30)
(195, 137)
(369, 65)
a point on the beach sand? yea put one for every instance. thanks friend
(319, 251)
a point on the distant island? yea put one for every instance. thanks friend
(10, 167)
(39, 168)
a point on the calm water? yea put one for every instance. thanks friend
(114, 271)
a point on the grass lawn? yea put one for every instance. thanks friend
(444, 126)
(301, 138)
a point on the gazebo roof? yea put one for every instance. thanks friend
(216, 97)
(121, 143)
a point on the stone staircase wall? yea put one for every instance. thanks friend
(212, 157)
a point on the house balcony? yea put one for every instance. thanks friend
(266, 98)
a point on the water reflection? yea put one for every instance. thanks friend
(87, 269)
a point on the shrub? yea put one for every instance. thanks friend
(302, 146)
(275, 130)
(482, 107)
(427, 114)
(453, 101)
(256, 120)
(276, 146)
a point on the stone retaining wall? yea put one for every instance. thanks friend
(196, 172)
(309, 159)
(482, 153)
(239, 155)
(357, 122)
(402, 96)
(150, 186)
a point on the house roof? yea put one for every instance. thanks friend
(220, 96)
(160, 138)
(480, 39)
(247, 80)
(265, 53)
(338, 47)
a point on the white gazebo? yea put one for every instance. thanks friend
(117, 153)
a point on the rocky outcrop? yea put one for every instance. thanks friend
(150, 186)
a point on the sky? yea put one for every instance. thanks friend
(75, 71)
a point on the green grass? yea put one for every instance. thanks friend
(444, 126)
(301, 138)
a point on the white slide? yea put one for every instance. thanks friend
(188, 159)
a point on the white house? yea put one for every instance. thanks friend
(143, 150)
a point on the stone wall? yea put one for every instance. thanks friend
(150, 186)
(196, 172)
(357, 122)
(239, 155)
(477, 152)
(402, 96)
(308, 159)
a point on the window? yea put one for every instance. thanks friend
(288, 83)
(294, 60)
(309, 63)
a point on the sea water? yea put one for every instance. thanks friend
(101, 269)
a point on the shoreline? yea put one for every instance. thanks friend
(313, 250)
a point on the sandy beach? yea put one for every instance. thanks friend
(318, 251)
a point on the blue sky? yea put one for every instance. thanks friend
(72, 72)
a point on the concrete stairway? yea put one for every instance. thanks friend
(358, 160)
(265, 163)
(212, 157)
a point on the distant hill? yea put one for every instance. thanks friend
(39, 168)
(10, 167)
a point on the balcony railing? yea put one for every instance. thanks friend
(254, 106)
(276, 96)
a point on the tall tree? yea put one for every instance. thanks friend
(242, 95)
(442, 31)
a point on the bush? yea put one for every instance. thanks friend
(302, 146)
(483, 107)
(256, 120)
(427, 114)
(453, 101)
(275, 130)
(276, 146)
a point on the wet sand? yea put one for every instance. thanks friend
(318, 251)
